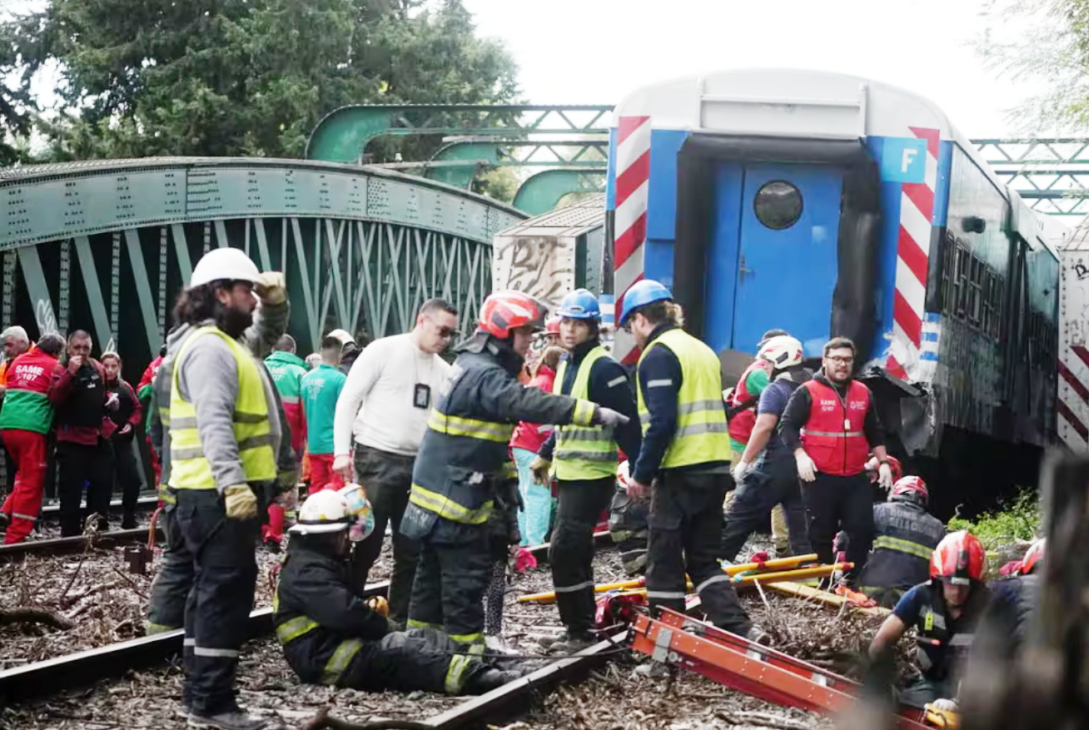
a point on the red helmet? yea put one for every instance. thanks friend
(505, 311)
(909, 489)
(894, 464)
(959, 559)
(1034, 555)
(552, 326)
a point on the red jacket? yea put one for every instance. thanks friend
(530, 436)
(833, 437)
(742, 424)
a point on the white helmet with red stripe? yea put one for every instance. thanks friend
(782, 352)
(910, 489)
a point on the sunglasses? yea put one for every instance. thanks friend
(444, 332)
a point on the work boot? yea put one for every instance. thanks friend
(128, 521)
(490, 678)
(496, 645)
(572, 642)
(234, 718)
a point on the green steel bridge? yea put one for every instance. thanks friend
(106, 245)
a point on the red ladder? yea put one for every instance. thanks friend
(748, 667)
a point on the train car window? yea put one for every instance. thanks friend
(986, 313)
(997, 286)
(963, 258)
(949, 250)
(975, 285)
(778, 204)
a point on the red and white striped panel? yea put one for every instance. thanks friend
(912, 254)
(630, 217)
(1073, 401)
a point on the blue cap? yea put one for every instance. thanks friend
(580, 304)
(641, 294)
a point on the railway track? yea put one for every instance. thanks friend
(46, 679)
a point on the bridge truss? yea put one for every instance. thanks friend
(106, 246)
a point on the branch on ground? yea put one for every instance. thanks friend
(34, 616)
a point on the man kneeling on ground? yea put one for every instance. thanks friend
(332, 636)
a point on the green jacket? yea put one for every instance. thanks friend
(287, 372)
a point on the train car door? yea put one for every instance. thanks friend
(781, 222)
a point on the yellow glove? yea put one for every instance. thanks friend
(540, 468)
(379, 605)
(272, 288)
(241, 502)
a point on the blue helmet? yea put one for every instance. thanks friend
(641, 294)
(580, 304)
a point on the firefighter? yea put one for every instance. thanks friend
(461, 460)
(905, 537)
(224, 432)
(830, 425)
(628, 524)
(741, 414)
(331, 636)
(944, 612)
(585, 461)
(772, 479)
(684, 462)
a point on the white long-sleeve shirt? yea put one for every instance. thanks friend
(377, 402)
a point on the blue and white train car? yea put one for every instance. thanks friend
(827, 205)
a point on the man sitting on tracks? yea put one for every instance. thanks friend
(332, 636)
(944, 612)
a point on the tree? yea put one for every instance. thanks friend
(16, 105)
(245, 77)
(1051, 48)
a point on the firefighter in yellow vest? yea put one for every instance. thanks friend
(223, 432)
(584, 459)
(684, 462)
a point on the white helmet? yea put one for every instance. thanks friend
(623, 474)
(782, 352)
(324, 511)
(343, 336)
(219, 264)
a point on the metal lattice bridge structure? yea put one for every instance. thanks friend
(105, 246)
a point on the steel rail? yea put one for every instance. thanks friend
(68, 545)
(142, 504)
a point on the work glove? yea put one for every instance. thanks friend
(884, 476)
(540, 468)
(944, 705)
(271, 288)
(807, 470)
(342, 466)
(608, 417)
(740, 469)
(379, 605)
(241, 502)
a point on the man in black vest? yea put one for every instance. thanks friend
(906, 535)
(78, 393)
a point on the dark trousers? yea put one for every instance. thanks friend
(571, 552)
(127, 469)
(170, 589)
(768, 483)
(218, 607)
(387, 479)
(76, 464)
(686, 535)
(840, 503)
(409, 661)
(451, 578)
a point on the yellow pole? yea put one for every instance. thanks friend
(640, 582)
(793, 575)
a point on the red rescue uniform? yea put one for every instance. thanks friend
(833, 435)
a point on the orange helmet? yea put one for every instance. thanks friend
(505, 311)
(1034, 555)
(959, 559)
(909, 489)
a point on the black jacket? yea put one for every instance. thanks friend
(315, 586)
(462, 457)
(906, 534)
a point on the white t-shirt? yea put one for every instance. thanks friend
(377, 402)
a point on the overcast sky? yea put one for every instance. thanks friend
(597, 51)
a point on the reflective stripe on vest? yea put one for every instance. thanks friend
(833, 436)
(884, 542)
(469, 427)
(583, 452)
(701, 434)
(189, 469)
(294, 628)
(445, 507)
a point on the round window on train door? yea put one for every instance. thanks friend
(778, 204)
